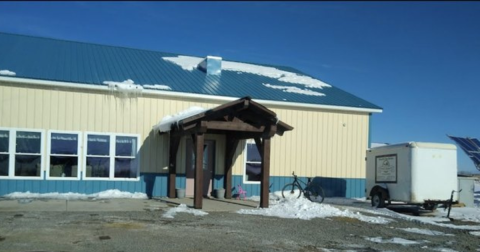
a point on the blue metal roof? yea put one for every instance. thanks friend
(76, 62)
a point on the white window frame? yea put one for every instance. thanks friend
(112, 137)
(79, 154)
(12, 152)
(245, 162)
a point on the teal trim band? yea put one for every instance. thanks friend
(155, 185)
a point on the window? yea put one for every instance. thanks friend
(63, 151)
(21, 153)
(253, 163)
(4, 152)
(111, 156)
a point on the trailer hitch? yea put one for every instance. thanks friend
(450, 203)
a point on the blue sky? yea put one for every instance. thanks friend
(419, 61)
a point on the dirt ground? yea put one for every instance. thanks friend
(217, 231)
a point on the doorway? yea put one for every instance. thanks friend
(208, 167)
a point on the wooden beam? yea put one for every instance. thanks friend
(265, 174)
(233, 126)
(198, 177)
(231, 147)
(172, 167)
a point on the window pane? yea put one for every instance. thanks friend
(98, 145)
(252, 153)
(253, 171)
(28, 142)
(63, 166)
(125, 168)
(98, 167)
(126, 146)
(27, 165)
(4, 141)
(64, 144)
(4, 165)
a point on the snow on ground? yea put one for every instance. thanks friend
(182, 208)
(302, 208)
(424, 231)
(108, 194)
(165, 124)
(392, 240)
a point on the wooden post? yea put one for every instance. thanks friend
(198, 191)
(265, 175)
(231, 147)
(172, 167)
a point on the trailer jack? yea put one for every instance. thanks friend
(450, 203)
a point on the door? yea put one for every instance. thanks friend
(208, 167)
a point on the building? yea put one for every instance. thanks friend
(79, 117)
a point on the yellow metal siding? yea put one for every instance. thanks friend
(319, 145)
(323, 143)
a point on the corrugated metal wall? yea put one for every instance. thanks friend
(323, 143)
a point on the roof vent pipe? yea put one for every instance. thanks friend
(212, 65)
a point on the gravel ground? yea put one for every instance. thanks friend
(217, 231)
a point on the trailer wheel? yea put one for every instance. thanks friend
(378, 199)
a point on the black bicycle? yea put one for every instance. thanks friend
(312, 191)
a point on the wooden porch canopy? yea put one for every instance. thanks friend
(237, 120)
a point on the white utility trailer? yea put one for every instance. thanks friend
(414, 173)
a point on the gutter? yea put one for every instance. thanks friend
(70, 85)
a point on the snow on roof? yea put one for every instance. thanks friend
(290, 89)
(7, 72)
(127, 86)
(157, 86)
(166, 123)
(186, 62)
(190, 63)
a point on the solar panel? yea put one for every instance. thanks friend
(476, 142)
(471, 146)
(464, 143)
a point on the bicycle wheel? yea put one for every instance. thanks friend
(291, 191)
(316, 193)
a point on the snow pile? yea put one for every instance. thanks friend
(296, 90)
(7, 72)
(166, 123)
(125, 87)
(424, 231)
(190, 63)
(108, 194)
(182, 208)
(304, 209)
